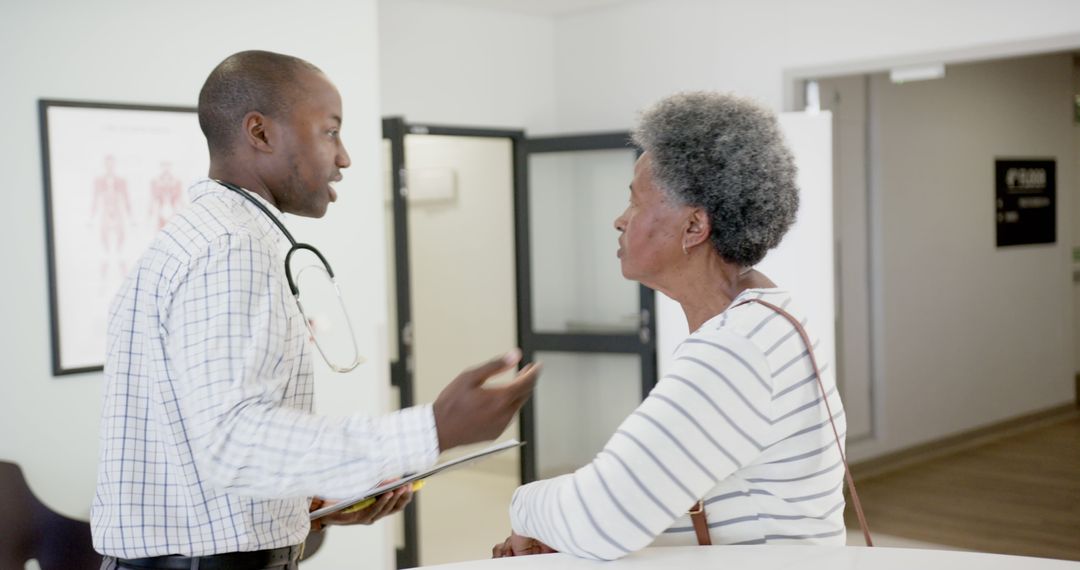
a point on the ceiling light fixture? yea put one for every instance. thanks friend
(917, 73)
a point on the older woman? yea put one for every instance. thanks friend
(737, 421)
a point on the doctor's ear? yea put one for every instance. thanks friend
(255, 131)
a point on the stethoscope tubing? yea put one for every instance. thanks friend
(295, 246)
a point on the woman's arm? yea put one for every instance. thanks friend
(709, 416)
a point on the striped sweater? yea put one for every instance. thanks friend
(738, 420)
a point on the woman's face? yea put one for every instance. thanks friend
(651, 228)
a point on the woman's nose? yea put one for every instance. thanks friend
(619, 223)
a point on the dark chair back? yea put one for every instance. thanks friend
(29, 529)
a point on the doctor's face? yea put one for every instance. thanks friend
(311, 147)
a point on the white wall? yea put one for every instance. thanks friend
(611, 63)
(443, 63)
(153, 53)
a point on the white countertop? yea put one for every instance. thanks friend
(776, 558)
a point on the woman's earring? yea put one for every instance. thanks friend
(684, 250)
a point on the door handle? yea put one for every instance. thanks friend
(644, 334)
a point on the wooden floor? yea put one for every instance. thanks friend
(1019, 495)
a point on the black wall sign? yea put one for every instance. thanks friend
(1026, 212)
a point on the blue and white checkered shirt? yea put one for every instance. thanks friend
(208, 440)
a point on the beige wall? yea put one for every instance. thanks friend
(971, 334)
(846, 98)
(1076, 216)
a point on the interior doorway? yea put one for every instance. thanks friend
(594, 331)
(496, 240)
(450, 214)
(941, 329)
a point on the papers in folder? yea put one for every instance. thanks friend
(409, 479)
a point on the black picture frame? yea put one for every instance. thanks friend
(112, 174)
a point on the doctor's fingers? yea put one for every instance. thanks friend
(400, 503)
(479, 374)
(375, 511)
(523, 384)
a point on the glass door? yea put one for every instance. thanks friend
(567, 303)
(593, 330)
(450, 208)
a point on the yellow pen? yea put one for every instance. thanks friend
(416, 486)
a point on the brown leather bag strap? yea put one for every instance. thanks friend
(828, 410)
(701, 524)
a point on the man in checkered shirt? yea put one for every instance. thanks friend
(210, 452)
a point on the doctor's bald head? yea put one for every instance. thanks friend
(260, 81)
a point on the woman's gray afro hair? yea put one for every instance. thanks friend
(726, 155)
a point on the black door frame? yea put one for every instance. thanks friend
(401, 370)
(642, 343)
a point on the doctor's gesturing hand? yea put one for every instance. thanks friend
(467, 412)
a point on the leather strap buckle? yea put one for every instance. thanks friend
(701, 523)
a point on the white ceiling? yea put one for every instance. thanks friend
(551, 8)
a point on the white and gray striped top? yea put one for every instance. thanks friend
(737, 419)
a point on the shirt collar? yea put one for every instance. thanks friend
(270, 229)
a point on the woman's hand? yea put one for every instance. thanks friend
(517, 545)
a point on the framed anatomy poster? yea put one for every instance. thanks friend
(113, 176)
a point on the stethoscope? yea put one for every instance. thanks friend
(294, 247)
